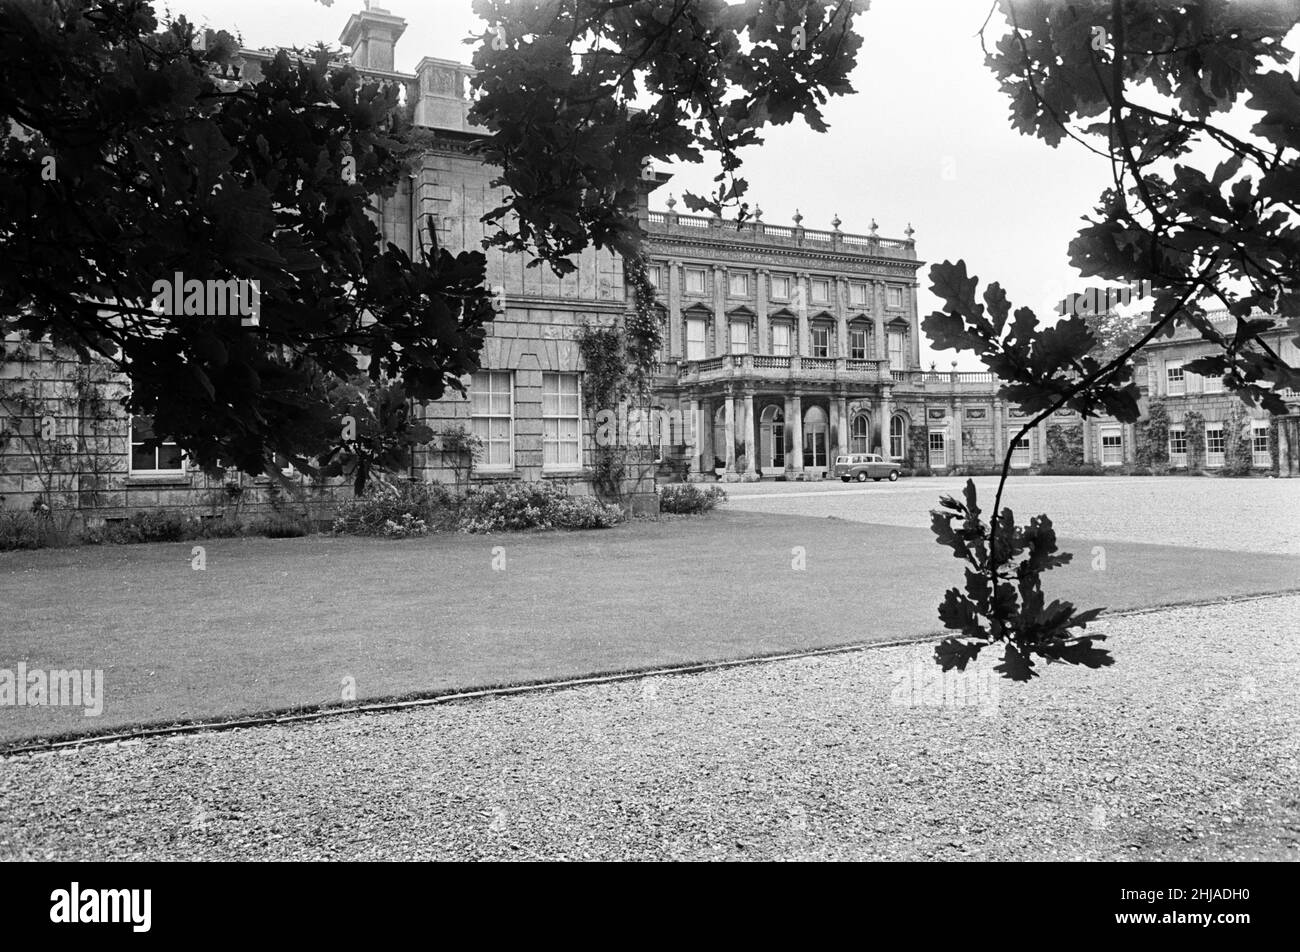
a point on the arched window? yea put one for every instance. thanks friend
(814, 437)
(860, 434)
(897, 437)
(771, 438)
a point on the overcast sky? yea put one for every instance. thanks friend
(926, 140)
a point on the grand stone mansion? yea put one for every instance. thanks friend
(783, 347)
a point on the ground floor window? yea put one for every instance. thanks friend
(938, 449)
(491, 407)
(561, 422)
(149, 454)
(1215, 445)
(1259, 452)
(860, 434)
(897, 437)
(1021, 455)
(1112, 446)
(1177, 446)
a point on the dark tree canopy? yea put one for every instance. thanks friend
(1148, 86)
(161, 167)
(560, 82)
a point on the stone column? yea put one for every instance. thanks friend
(706, 436)
(999, 444)
(957, 456)
(676, 346)
(836, 424)
(694, 454)
(751, 449)
(878, 320)
(721, 337)
(730, 408)
(805, 292)
(842, 402)
(841, 318)
(1085, 426)
(762, 277)
(794, 460)
(914, 326)
(886, 419)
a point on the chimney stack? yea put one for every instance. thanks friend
(372, 34)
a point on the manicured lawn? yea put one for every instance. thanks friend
(276, 624)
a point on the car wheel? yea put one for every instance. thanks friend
(875, 479)
(862, 477)
(844, 479)
(893, 475)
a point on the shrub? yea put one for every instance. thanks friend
(281, 525)
(584, 512)
(405, 527)
(429, 503)
(688, 498)
(221, 529)
(26, 530)
(160, 525)
(506, 506)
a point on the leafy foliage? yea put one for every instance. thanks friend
(377, 432)
(514, 506)
(396, 510)
(558, 78)
(1003, 600)
(1153, 435)
(689, 499)
(162, 167)
(1142, 85)
(1146, 85)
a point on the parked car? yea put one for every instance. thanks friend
(864, 466)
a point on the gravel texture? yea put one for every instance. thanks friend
(1187, 748)
(1243, 515)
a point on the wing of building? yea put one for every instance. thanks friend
(784, 347)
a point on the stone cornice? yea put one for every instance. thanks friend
(778, 257)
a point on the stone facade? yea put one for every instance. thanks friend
(1211, 426)
(783, 347)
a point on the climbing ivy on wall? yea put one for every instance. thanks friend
(1153, 436)
(1064, 445)
(1194, 425)
(618, 363)
(1237, 456)
(918, 448)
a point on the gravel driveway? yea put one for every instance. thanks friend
(1187, 748)
(1244, 515)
